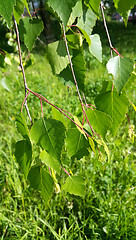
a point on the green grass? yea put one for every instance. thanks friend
(108, 210)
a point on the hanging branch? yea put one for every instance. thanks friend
(107, 32)
(22, 68)
(106, 28)
(71, 65)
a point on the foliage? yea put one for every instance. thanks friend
(49, 147)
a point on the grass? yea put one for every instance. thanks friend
(108, 210)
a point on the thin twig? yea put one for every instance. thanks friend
(71, 65)
(106, 28)
(34, 9)
(59, 109)
(22, 68)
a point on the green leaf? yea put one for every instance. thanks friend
(23, 154)
(76, 142)
(100, 121)
(6, 10)
(29, 30)
(77, 11)
(94, 5)
(58, 116)
(74, 40)
(49, 161)
(50, 135)
(121, 69)
(18, 10)
(57, 56)
(114, 105)
(6, 83)
(79, 70)
(75, 185)
(96, 48)
(63, 8)
(26, 5)
(123, 7)
(21, 126)
(42, 181)
(86, 24)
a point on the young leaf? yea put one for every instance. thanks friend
(100, 121)
(96, 48)
(23, 154)
(75, 185)
(121, 69)
(50, 135)
(29, 30)
(49, 161)
(114, 105)
(76, 142)
(21, 126)
(57, 56)
(63, 8)
(41, 180)
(6, 10)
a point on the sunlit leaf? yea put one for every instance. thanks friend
(49, 134)
(50, 161)
(96, 48)
(75, 185)
(57, 56)
(77, 11)
(100, 121)
(29, 30)
(114, 105)
(58, 116)
(63, 8)
(121, 69)
(86, 23)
